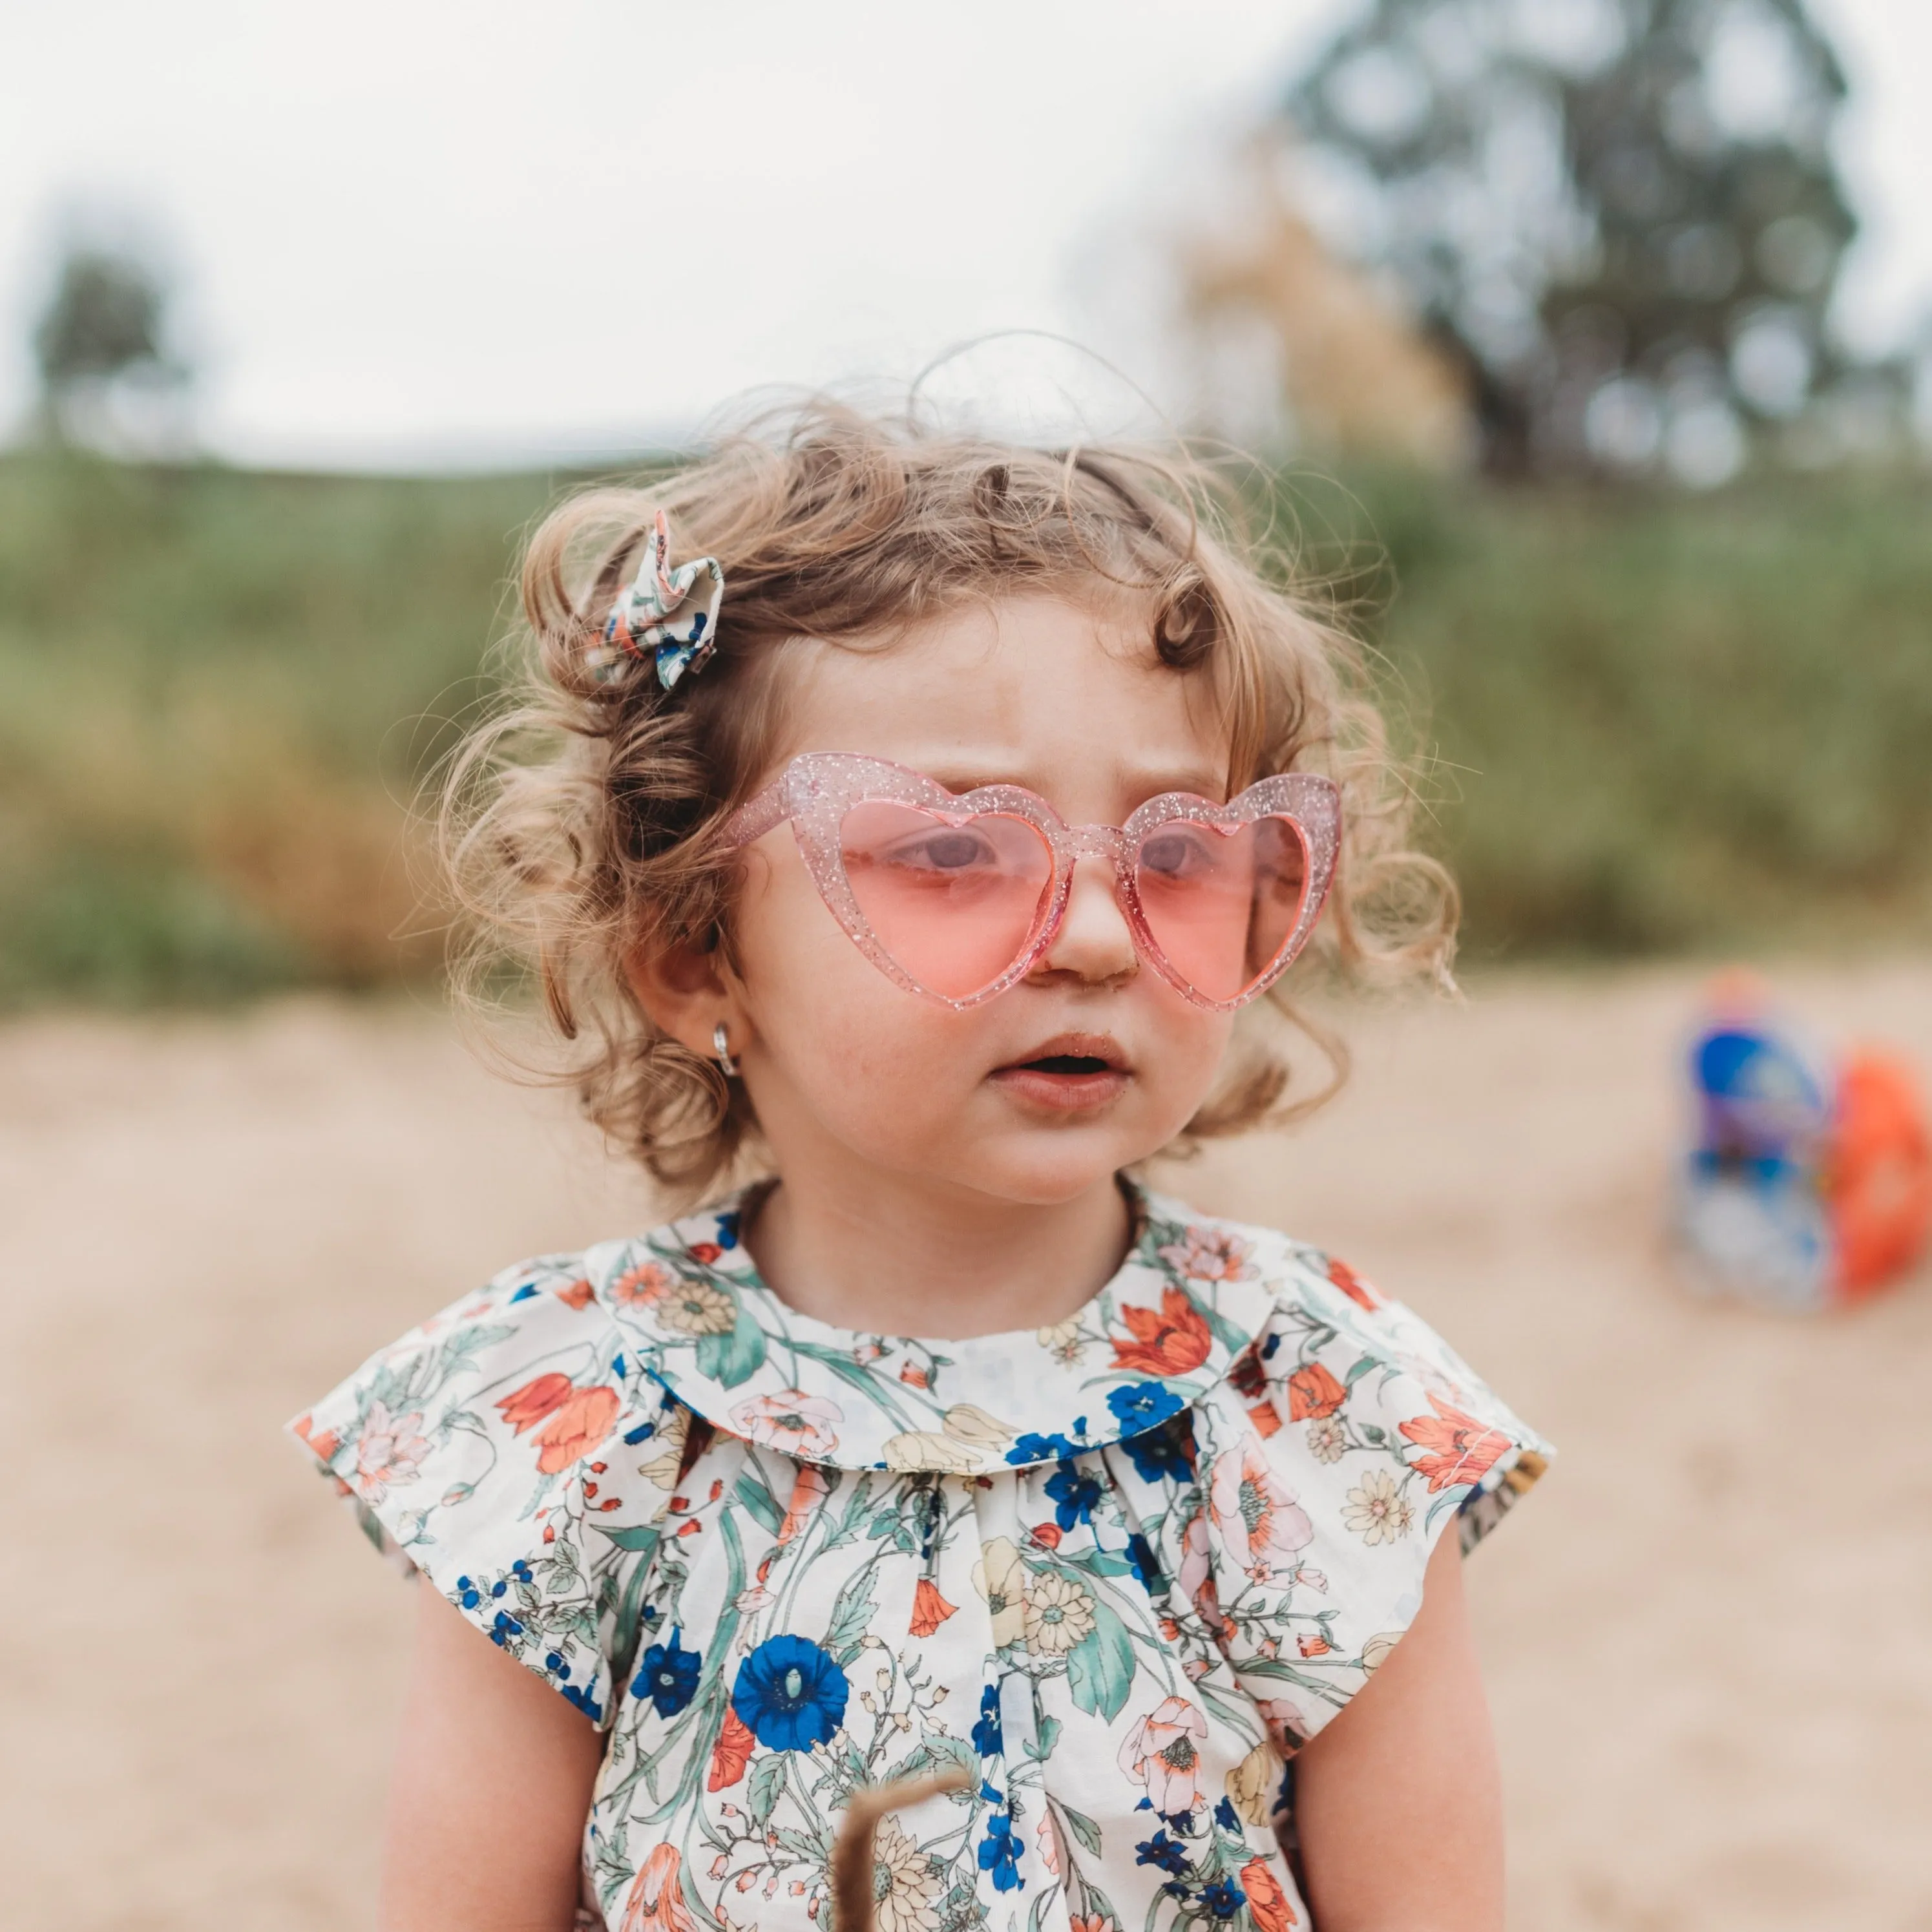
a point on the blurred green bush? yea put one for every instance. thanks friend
(219, 692)
(1657, 723)
(1665, 723)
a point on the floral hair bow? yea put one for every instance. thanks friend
(671, 614)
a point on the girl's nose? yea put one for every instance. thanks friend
(1094, 942)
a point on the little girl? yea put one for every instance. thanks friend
(920, 829)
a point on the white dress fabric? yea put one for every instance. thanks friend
(1119, 1570)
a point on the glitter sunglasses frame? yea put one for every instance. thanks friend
(817, 789)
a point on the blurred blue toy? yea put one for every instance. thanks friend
(1806, 1186)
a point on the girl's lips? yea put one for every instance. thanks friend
(1069, 1074)
(1067, 1093)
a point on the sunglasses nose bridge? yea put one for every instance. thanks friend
(1096, 841)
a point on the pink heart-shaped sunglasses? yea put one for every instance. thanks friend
(957, 895)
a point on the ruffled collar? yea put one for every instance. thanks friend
(1186, 1301)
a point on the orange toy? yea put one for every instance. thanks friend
(1878, 1174)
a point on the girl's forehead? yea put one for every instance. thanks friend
(1066, 698)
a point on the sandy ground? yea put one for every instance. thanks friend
(1709, 1633)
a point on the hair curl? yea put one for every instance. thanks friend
(581, 822)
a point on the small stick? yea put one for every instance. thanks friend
(852, 1849)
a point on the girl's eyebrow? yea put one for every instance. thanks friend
(1144, 781)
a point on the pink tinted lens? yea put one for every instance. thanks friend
(1222, 902)
(955, 901)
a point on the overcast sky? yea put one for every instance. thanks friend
(414, 232)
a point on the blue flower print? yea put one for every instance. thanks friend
(727, 1230)
(1161, 1850)
(668, 1676)
(1000, 1853)
(789, 1694)
(504, 1629)
(1142, 1405)
(1074, 1493)
(1160, 1455)
(1223, 1900)
(1224, 1816)
(467, 1593)
(1146, 1564)
(579, 1694)
(989, 1740)
(1032, 1447)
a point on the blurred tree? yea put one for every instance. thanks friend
(1622, 216)
(101, 346)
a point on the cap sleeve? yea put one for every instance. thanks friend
(1327, 1466)
(508, 1451)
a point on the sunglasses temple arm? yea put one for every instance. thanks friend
(757, 816)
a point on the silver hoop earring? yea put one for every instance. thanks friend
(721, 1049)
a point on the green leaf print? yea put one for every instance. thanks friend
(937, 1752)
(1232, 1339)
(763, 1787)
(734, 1357)
(1082, 1827)
(1100, 1667)
(852, 1613)
(633, 1536)
(756, 1498)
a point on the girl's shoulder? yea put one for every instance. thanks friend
(508, 1450)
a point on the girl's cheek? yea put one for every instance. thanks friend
(847, 1034)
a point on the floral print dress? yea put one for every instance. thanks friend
(1118, 1570)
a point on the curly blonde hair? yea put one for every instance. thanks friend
(580, 823)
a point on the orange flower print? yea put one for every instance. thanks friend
(1460, 1447)
(1260, 1521)
(576, 1295)
(1211, 1254)
(656, 1901)
(1094, 1921)
(808, 1490)
(731, 1754)
(1170, 1343)
(582, 1423)
(1267, 1903)
(929, 1609)
(390, 1449)
(1313, 1392)
(1311, 1643)
(914, 1375)
(1352, 1285)
(642, 1287)
(324, 1446)
(523, 1408)
(1267, 1419)
(1163, 1752)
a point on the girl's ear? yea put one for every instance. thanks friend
(688, 992)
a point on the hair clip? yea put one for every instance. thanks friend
(663, 613)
